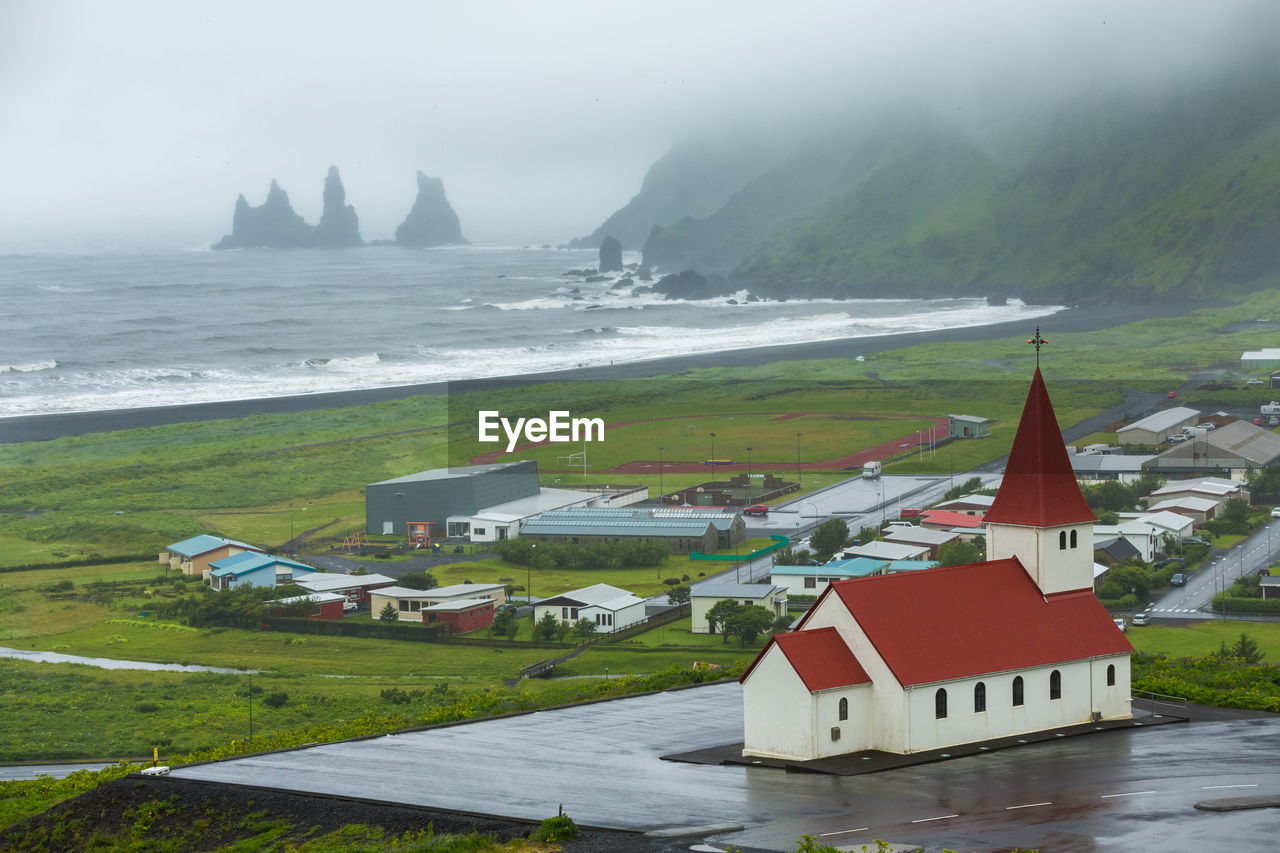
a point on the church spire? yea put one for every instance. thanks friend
(1039, 488)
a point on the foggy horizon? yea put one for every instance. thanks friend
(136, 125)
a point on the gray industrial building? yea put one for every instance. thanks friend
(435, 495)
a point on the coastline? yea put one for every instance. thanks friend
(46, 427)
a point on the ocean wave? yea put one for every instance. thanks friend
(351, 362)
(29, 367)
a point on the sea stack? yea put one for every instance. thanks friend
(273, 225)
(610, 255)
(431, 221)
(339, 226)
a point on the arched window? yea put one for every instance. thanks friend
(1073, 539)
(1062, 540)
(940, 704)
(1111, 675)
(1055, 685)
(1017, 690)
(979, 698)
(844, 708)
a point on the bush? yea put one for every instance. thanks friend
(146, 707)
(559, 828)
(275, 700)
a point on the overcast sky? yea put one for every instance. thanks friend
(141, 122)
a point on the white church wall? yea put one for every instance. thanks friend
(855, 731)
(1114, 702)
(1054, 568)
(777, 711)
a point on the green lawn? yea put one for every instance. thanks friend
(1202, 637)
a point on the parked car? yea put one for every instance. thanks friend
(1273, 421)
(1257, 421)
(1168, 561)
(1275, 513)
(1119, 622)
(1194, 540)
(1172, 395)
(758, 509)
(1177, 580)
(1254, 382)
(1140, 619)
(1178, 438)
(910, 512)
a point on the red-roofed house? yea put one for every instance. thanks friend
(959, 654)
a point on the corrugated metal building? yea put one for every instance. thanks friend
(442, 492)
(683, 530)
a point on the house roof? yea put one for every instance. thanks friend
(326, 581)
(919, 536)
(559, 525)
(1117, 548)
(976, 501)
(1187, 502)
(1039, 488)
(963, 621)
(252, 561)
(1108, 463)
(1203, 485)
(544, 501)
(854, 567)
(820, 657)
(595, 595)
(711, 589)
(466, 590)
(203, 544)
(1163, 519)
(458, 604)
(887, 551)
(455, 472)
(402, 592)
(950, 519)
(1163, 420)
(315, 598)
(970, 419)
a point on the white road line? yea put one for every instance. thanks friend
(842, 832)
(1126, 794)
(939, 817)
(1215, 787)
(1026, 806)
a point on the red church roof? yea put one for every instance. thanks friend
(820, 657)
(1039, 488)
(962, 621)
(947, 518)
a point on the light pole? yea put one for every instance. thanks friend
(713, 446)
(748, 476)
(797, 459)
(661, 494)
(295, 511)
(528, 579)
(251, 707)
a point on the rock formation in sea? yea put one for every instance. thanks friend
(610, 255)
(339, 226)
(272, 225)
(431, 221)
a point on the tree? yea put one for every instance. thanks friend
(958, 553)
(513, 626)
(1235, 510)
(563, 629)
(1246, 649)
(417, 580)
(546, 627)
(747, 623)
(719, 612)
(389, 613)
(968, 487)
(501, 620)
(585, 627)
(679, 594)
(830, 536)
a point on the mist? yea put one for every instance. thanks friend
(135, 125)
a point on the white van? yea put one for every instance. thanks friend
(871, 470)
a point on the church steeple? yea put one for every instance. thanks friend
(1039, 514)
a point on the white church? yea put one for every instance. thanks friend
(929, 659)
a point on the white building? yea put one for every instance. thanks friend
(924, 660)
(1147, 538)
(410, 603)
(704, 596)
(612, 609)
(888, 551)
(1215, 488)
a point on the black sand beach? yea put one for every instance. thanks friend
(1092, 318)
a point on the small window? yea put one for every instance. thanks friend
(1017, 690)
(1055, 685)
(979, 698)
(404, 606)
(564, 613)
(1062, 540)
(940, 704)
(1111, 675)
(1073, 539)
(844, 709)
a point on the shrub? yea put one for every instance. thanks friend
(275, 700)
(146, 707)
(558, 828)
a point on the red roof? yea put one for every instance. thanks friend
(1039, 488)
(820, 657)
(950, 519)
(962, 621)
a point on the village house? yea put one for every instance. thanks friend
(812, 580)
(255, 569)
(317, 605)
(355, 588)
(704, 596)
(611, 609)
(877, 663)
(410, 603)
(193, 556)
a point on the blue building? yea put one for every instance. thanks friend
(256, 570)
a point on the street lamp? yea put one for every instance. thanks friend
(660, 492)
(748, 476)
(528, 580)
(295, 511)
(713, 446)
(797, 459)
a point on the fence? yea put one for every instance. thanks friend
(651, 622)
(149, 557)
(778, 542)
(1166, 706)
(337, 628)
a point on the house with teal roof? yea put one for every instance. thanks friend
(256, 569)
(193, 556)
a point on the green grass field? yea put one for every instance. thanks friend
(1203, 637)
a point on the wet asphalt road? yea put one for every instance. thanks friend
(1123, 790)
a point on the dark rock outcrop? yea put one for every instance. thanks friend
(610, 255)
(691, 285)
(273, 225)
(339, 226)
(431, 221)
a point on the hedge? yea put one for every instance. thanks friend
(84, 561)
(1234, 604)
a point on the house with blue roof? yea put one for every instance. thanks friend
(256, 569)
(193, 556)
(812, 580)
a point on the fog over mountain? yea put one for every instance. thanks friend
(137, 124)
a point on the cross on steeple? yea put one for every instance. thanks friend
(1037, 342)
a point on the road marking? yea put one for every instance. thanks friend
(1026, 806)
(843, 832)
(1126, 794)
(939, 817)
(1215, 787)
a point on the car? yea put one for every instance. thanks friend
(1177, 439)
(1273, 421)
(910, 512)
(1177, 580)
(1140, 619)
(1254, 382)
(1257, 421)
(1275, 513)
(1172, 395)
(349, 606)
(1119, 622)
(1168, 561)
(758, 509)
(1194, 540)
